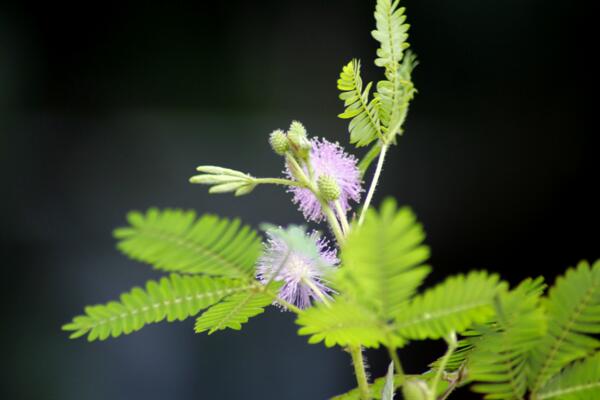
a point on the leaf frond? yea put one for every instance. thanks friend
(498, 362)
(573, 313)
(391, 32)
(341, 323)
(453, 305)
(233, 311)
(364, 115)
(173, 298)
(383, 260)
(579, 381)
(176, 241)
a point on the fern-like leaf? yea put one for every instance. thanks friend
(579, 381)
(233, 311)
(395, 94)
(341, 323)
(391, 32)
(174, 298)
(499, 360)
(364, 125)
(383, 260)
(453, 305)
(174, 240)
(573, 312)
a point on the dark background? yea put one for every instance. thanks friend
(107, 108)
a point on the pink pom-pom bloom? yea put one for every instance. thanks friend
(299, 260)
(330, 159)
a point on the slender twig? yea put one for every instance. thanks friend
(453, 383)
(333, 222)
(371, 191)
(452, 343)
(278, 181)
(359, 371)
(342, 216)
(397, 364)
(316, 291)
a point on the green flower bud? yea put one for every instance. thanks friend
(298, 140)
(415, 389)
(328, 188)
(279, 142)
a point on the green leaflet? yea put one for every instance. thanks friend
(174, 240)
(364, 125)
(573, 312)
(174, 298)
(498, 362)
(383, 260)
(579, 381)
(453, 305)
(341, 323)
(233, 311)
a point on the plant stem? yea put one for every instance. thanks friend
(316, 291)
(452, 343)
(371, 191)
(284, 303)
(333, 222)
(359, 371)
(397, 364)
(278, 181)
(342, 216)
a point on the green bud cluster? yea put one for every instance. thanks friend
(298, 139)
(294, 141)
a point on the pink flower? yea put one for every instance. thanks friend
(299, 260)
(330, 159)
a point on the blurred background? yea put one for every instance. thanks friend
(107, 108)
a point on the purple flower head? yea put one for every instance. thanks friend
(330, 159)
(301, 261)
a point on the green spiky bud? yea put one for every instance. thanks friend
(328, 188)
(415, 389)
(279, 142)
(298, 139)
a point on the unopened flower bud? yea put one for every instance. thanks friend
(279, 142)
(415, 389)
(298, 140)
(328, 187)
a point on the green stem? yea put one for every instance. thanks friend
(452, 343)
(359, 371)
(278, 181)
(333, 222)
(342, 216)
(371, 191)
(284, 303)
(316, 291)
(397, 364)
